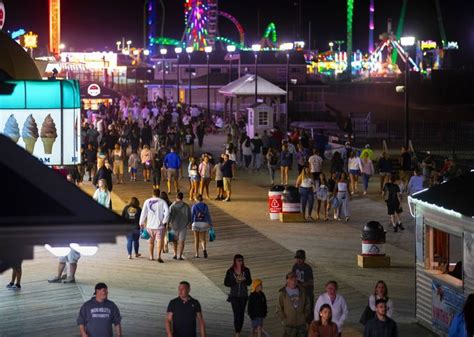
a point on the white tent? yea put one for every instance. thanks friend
(245, 86)
(242, 91)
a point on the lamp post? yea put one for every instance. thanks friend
(189, 51)
(287, 47)
(208, 51)
(118, 43)
(230, 49)
(163, 52)
(129, 43)
(407, 42)
(331, 45)
(256, 48)
(178, 51)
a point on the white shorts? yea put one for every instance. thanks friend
(72, 257)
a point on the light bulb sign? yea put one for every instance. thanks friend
(2, 14)
(30, 40)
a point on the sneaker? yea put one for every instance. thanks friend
(16, 287)
(395, 228)
(347, 218)
(181, 258)
(365, 193)
(205, 254)
(69, 280)
(138, 255)
(175, 257)
(226, 200)
(335, 217)
(10, 285)
(54, 279)
(129, 257)
(160, 260)
(400, 225)
(310, 218)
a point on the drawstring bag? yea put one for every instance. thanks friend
(212, 234)
(144, 234)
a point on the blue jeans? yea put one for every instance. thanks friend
(365, 181)
(133, 237)
(306, 199)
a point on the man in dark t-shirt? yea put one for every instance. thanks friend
(227, 175)
(182, 314)
(305, 278)
(405, 166)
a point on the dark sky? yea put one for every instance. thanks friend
(99, 23)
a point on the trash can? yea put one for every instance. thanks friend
(291, 200)
(275, 202)
(373, 239)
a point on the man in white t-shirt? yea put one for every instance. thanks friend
(155, 215)
(315, 164)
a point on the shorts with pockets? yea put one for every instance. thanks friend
(72, 257)
(172, 173)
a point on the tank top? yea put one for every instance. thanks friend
(342, 187)
(118, 155)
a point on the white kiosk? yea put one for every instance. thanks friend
(444, 217)
(260, 118)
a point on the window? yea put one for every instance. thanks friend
(443, 255)
(263, 118)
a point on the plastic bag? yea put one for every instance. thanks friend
(212, 234)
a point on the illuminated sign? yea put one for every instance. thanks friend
(44, 117)
(2, 14)
(93, 60)
(17, 33)
(452, 45)
(30, 40)
(428, 45)
(93, 90)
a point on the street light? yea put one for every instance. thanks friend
(62, 46)
(163, 52)
(256, 48)
(331, 44)
(129, 43)
(287, 47)
(178, 51)
(407, 41)
(208, 51)
(189, 51)
(230, 49)
(146, 52)
(118, 43)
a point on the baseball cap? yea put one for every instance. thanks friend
(300, 254)
(99, 286)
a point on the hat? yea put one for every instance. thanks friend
(300, 254)
(255, 284)
(99, 286)
(367, 146)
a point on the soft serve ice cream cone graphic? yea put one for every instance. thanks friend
(48, 134)
(11, 129)
(30, 133)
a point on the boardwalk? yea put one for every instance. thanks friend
(142, 288)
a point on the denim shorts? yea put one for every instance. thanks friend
(354, 172)
(257, 322)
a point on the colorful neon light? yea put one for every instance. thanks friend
(54, 26)
(196, 13)
(371, 26)
(350, 14)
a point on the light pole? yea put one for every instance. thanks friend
(118, 43)
(189, 51)
(407, 42)
(178, 51)
(287, 47)
(129, 43)
(230, 49)
(163, 52)
(331, 45)
(208, 51)
(256, 48)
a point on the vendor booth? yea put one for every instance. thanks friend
(444, 250)
(94, 94)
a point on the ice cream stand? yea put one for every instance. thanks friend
(444, 218)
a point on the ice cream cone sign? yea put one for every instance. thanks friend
(11, 129)
(48, 134)
(30, 133)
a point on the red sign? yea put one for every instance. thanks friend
(2, 14)
(275, 203)
(93, 90)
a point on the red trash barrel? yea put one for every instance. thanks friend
(373, 239)
(275, 201)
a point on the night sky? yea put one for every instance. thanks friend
(96, 24)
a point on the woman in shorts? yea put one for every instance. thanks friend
(201, 223)
(354, 167)
(193, 172)
(146, 158)
(205, 172)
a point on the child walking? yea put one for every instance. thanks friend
(133, 165)
(257, 308)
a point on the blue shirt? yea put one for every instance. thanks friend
(201, 207)
(415, 184)
(172, 161)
